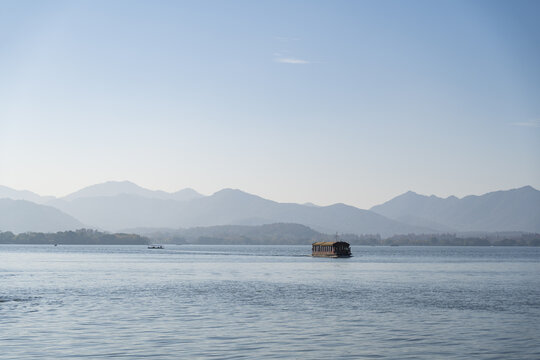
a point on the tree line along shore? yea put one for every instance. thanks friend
(272, 234)
(78, 237)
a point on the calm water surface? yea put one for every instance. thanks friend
(272, 302)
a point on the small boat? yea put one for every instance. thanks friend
(155, 246)
(333, 249)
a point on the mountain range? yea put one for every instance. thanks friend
(511, 210)
(25, 216)
(8, 193)
(226, 207)
(116, 206)
(114, 188)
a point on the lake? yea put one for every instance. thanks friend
(268, 302)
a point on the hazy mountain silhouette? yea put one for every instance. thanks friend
(8, 193)
(24, 216)
(510, 210)
(115, 206)
(225, 207)
(122, 211)
(114, 188)
(230, 206)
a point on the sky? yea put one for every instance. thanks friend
(296, 101)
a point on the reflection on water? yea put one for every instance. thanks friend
(245, 302)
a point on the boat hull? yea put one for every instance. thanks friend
(331, 256)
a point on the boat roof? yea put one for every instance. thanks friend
(329, 243)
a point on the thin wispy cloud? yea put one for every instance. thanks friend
(530, 124)
(289, 60)
(284, 56)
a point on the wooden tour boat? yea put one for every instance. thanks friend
(332, 249)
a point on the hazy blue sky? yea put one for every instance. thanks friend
(334, 101)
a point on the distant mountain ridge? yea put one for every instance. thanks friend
(114, 188)
(118, 205)
(8, 193)
(225, 207)
(509, 210)
(23, 216)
